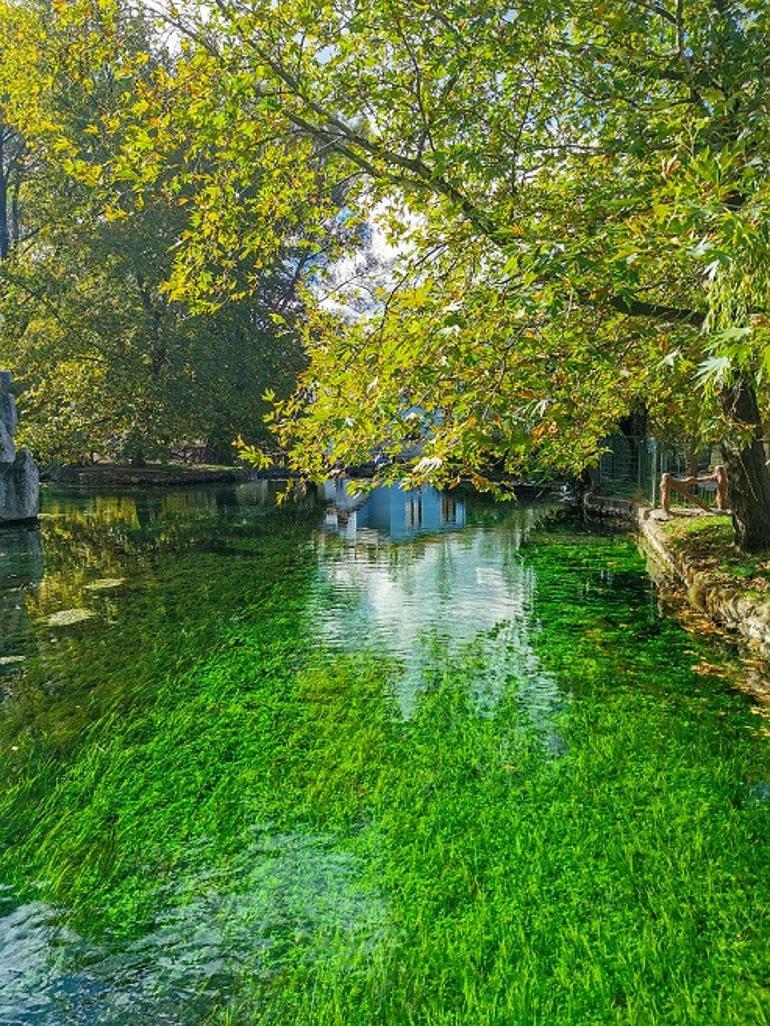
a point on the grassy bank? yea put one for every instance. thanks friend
(706, 542)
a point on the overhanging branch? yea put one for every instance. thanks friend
(660, 311)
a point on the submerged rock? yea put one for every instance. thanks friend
(760, 792)
(105, 583)
(66, 617)
(19, 477)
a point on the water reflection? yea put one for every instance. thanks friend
(144, 509)
(447, 590)
(392, 512)
(402, 572)
(21, 571)
(93, 548)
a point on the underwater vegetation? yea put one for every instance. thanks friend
(284, 775)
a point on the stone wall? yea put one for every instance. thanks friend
(732, 606)
(19, 477)
(615, 507)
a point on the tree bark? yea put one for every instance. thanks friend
(748, 477)
(5, 238)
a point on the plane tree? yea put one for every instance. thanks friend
(112, 362)
(578, 191)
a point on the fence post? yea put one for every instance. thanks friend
(654, 481)
(665, 492)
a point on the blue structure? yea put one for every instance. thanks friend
(392, 512)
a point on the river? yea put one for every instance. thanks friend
(413, 759)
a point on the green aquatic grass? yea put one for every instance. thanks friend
(623, 882)
(220, 768)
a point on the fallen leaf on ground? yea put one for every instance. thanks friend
(709, 670)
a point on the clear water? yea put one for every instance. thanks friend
(413, 759)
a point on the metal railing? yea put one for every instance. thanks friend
(633, 465)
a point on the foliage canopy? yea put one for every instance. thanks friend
(576, 194)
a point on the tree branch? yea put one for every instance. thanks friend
(639, 308)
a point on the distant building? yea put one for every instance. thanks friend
(391, 511)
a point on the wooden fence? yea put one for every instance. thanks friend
(669, 483)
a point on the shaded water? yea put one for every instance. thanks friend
(417, 759)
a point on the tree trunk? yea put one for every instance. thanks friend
(748, 477)
(5, 238)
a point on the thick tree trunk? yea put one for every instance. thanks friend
(748, 477)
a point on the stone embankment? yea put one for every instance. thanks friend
(733, 604)
(19, 478)
(111, 475)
